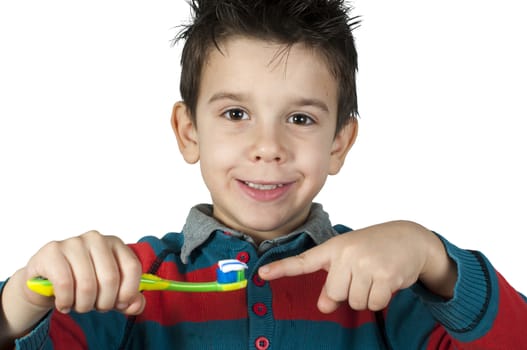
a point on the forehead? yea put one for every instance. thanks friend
(278, 51)
(265, 66)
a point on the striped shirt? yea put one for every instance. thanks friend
(485, 312)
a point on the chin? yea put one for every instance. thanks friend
(268, 226)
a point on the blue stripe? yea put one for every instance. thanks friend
(232, 335)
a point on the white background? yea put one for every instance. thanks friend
(86, 90)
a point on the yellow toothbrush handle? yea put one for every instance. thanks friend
(44, 287)
(41, 286)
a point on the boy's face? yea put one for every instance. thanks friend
(265, 134)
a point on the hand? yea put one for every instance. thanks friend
(88, 272)
(365, 267)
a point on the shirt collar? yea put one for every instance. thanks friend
(200, 224)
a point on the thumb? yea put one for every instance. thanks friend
(309, 261)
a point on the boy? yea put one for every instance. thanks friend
(269, 111)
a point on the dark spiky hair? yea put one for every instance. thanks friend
(324, 25)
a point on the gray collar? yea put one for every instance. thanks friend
(200, 225)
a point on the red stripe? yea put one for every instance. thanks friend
(145, 253)
(295, 298)
(170, 308)
(507, 331)
(65, 333)
(440, 340)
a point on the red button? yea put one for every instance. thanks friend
(258, 281)
(243, 257)
(260, 309)
(261, 343)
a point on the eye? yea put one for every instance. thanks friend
(300, 119)
(235, 114)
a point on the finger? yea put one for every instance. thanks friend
(106, 271)
(309, 261)
(135, 306)
(380, 295)
(325, 304)
(338, 281)
(130, 271)
(49, 262)
(85, 282)
(359, 291)
(63, 287)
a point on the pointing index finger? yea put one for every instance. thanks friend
(309, 261)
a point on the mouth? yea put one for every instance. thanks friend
(265, 191)
(263, 187)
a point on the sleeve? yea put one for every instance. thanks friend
(485, 312)
(38, 337)
(93, 330)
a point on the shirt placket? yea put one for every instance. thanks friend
(261, 320)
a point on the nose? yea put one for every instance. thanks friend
(268, 144)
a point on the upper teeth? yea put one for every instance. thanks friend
(262, 187)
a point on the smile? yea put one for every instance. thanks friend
(263, 187)
(265, 191)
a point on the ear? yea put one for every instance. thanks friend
(341, 145)
(185, 130)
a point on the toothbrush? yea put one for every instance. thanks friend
(230, 275)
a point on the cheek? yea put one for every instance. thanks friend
(314, 161)
(218, 152)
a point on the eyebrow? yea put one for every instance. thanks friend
(228, 96)
(313, 102)
(302, 101)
